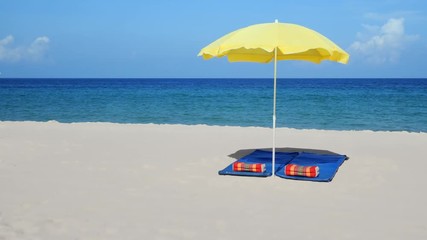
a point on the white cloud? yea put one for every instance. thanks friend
(33, 52)
(382, 44)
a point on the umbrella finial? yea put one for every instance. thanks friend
(276, 21)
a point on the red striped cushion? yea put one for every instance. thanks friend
(248, 167)
(303, 171)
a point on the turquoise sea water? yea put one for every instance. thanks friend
(341, 104)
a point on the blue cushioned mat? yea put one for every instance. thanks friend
(260, 156)
(328, 166)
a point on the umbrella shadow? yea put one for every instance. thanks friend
(243, 152)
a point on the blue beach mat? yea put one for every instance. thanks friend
(328, 166)
(263, 157)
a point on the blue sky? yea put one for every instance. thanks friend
(159, 38)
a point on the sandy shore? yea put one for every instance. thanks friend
(122, 181)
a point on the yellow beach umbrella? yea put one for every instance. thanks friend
(268, 42)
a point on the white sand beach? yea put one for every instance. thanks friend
(135, 181)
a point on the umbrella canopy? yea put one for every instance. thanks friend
(257, 43)
(266, 42)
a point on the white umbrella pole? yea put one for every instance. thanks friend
(273, 160)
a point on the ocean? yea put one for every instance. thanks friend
(331, 104)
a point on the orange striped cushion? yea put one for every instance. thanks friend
(303, 171)
(248, 167)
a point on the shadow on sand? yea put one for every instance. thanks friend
(243, 152)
